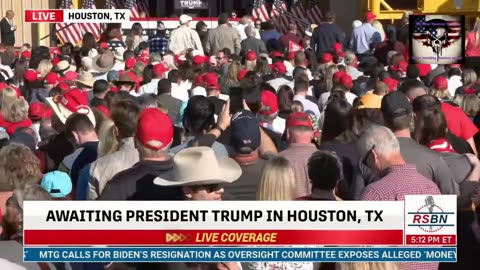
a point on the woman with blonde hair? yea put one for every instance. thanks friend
(18, 167)
(328, 79)
(44, 67)
(469, 87)
(471, 106)
(472, 41)
(7, 97)
(367, 266)
(15, 115)
(278, 184)
(440, 88)
(135, 36)
(278, 179)
(231, 80)
(108, 142)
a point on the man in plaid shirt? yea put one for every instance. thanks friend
(159, 42)
(381, 151)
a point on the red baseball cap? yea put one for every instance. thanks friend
(327, 58)
(337, 75)
(337, 47)
(55, 50)
(144, 54)
(199, 60)
(154, 129)
(346, 80)
(210, 78)
(177, 59)
(299, 119)
(75, 100)
(130, 63)
(424, 69)
(26, 55)
(143, 60)
(31, 75)
(269, 103)
(276, 54)
(369, 16)
(36, 111)
(55, 61)
(51, 78)
(159, 69)
(63, 86)
(391, 82)
(402, 66)
(279, 67)
(241, 74)
(199, 80)
(103, 45)
(250, 56)
(440, 83)
(71, 76)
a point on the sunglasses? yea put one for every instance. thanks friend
(219, 58)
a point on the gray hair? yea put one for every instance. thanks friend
(249, 31)
(30, 192)
(155, 57)
(379, 138)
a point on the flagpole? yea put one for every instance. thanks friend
(57, 30)
(290, 16)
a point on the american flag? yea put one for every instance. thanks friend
(422, 28)
(109, 4)
(313, 12)
(68, 32)
(298, 10)
(136, 7)
(93, 27)
(260, 10)
(279, 7)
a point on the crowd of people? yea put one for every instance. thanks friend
(232, 114)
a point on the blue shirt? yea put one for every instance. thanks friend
(82, 185)
(269, 34)
(364, 38)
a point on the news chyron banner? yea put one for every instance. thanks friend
(421, 229)
(76, 15)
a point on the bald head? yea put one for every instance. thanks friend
(10, 14)
(292, 28)
(250, 31)
(412, 88)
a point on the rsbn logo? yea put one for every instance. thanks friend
(430, 217)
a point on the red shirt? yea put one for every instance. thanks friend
(290, 37)
(472, 48)
(458, 122)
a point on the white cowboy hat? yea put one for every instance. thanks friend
(86, 78)
(64, 66)
(118, 53)
(199, 166)
(71, 102)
